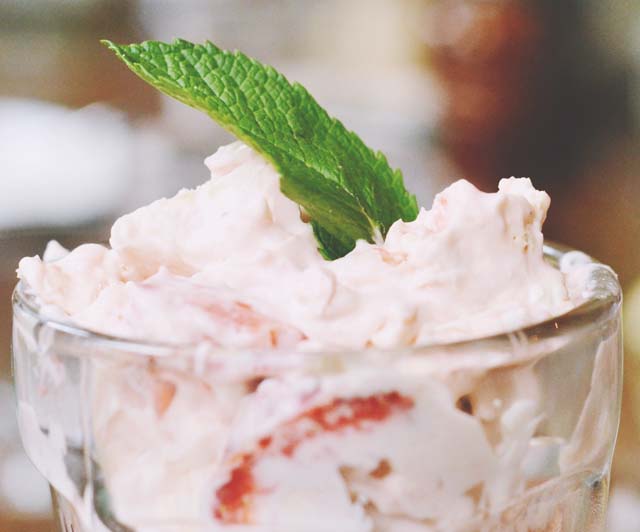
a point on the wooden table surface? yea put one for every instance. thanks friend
(26, 525)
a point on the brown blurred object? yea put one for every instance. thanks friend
(21, 525)
(486, 54)
(52, 51)
(525, 92)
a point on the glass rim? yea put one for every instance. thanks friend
(603, 302)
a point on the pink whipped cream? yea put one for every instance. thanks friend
(233, 264)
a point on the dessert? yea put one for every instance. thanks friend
(359, 375)
(233, 262)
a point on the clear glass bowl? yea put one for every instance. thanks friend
(509, 433)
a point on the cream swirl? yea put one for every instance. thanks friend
(177, 269)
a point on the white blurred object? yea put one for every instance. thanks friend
(624, 510)
(23, 488)
(8, 421)
(61, 167)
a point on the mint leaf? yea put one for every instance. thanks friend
(347, 190)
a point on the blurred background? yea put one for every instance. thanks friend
(480, 89)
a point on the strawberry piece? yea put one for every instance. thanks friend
(234, 497)
(163, 394)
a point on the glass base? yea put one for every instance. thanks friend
(65, 516)
(576, 503)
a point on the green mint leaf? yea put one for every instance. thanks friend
(328, 246)
(348, 191)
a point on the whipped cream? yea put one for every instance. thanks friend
(232, 262)
(255, 440)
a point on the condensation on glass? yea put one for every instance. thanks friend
(509, 433)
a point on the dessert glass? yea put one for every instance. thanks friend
(543, 402)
